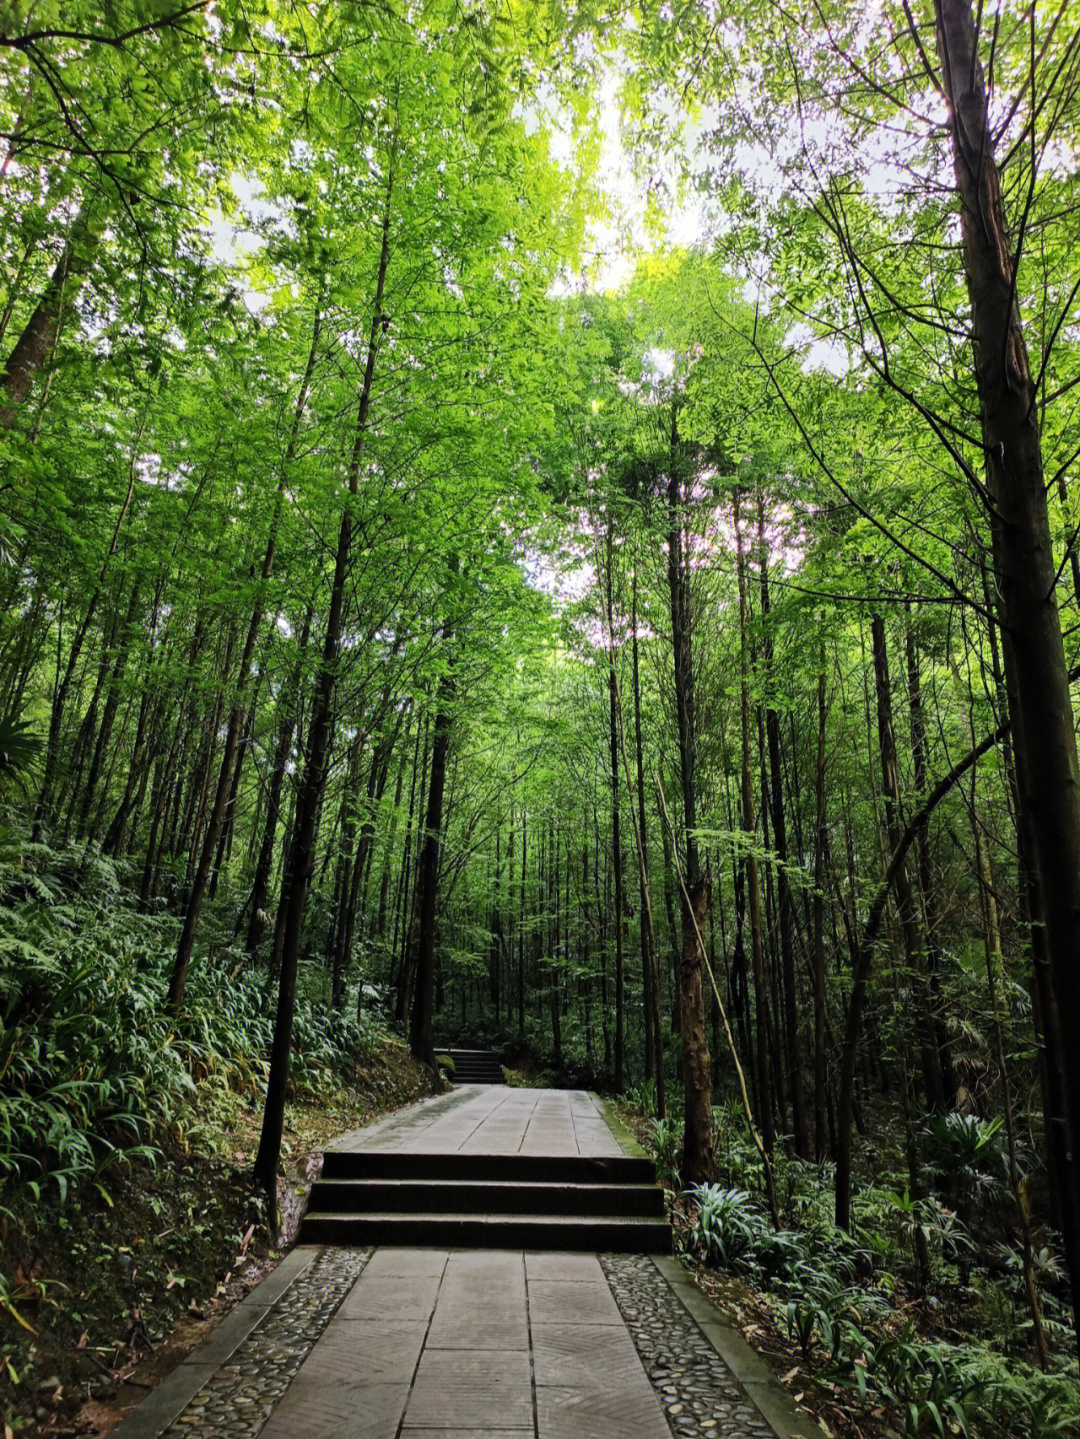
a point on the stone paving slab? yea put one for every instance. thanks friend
(402, 1263)
(631, 1412)
(407, 1297)
(583, 1355)
(564, 1266)
(570, 1302)
(469, 1390)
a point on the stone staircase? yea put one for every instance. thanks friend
(475, 1066)
(489, 1201)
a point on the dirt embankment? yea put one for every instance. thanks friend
(109, 1291)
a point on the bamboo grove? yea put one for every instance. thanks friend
(667, 682)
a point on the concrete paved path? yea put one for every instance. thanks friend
(355, 1342)
(494, 1119)
(478, 1342)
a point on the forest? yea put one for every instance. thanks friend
(554, 526)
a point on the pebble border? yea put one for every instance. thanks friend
(700, 1395)
(237, 1400)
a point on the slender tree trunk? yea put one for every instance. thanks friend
(818, 911)
(905, 900)
(925, 870)
(337, 946)
(412, 901)
(698, 1156)
(988, 901)
(309, 798)
(108, 716)
(521, 928)
(391, 837)
(753, 885)
(649, 965)
(616, 836)
(646, 971)
(420, 1037)
(495, 929)
(56, 719)
(260, 886)
(552, 885)
(799, 1120)
(1039, 700)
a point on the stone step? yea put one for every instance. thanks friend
(467, 1196)
(488, 1168)
(492, 1231)
(474, 1066)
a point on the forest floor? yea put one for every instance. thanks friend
(924, 1363)
(749, 1310)
(116, 1287)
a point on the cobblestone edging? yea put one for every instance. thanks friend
(700, 1395)
(238, 1399)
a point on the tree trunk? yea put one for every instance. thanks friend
(309, 798)
(925, 872)
(1039, 701)
(905, 900)
(698, 1156)
(42, 329)
(799, 1122)
(753, 886)
(616, 836)
(260, 885)
(412, 900)
(654, 1035)
(552, 885)
(521, 929)
(56, 719)
(420, 1037)
(818, 911)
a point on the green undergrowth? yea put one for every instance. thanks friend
(127, 1134)
(873, 1347)
(95, 1073)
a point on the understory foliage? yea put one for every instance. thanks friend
(851, 1304)
(96, 1075)
(125, 1192)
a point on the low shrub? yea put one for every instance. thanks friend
(94, 1072)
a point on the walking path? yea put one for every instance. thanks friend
(438, 1342)
(494, 1119)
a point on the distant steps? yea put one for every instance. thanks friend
(475, 1066)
